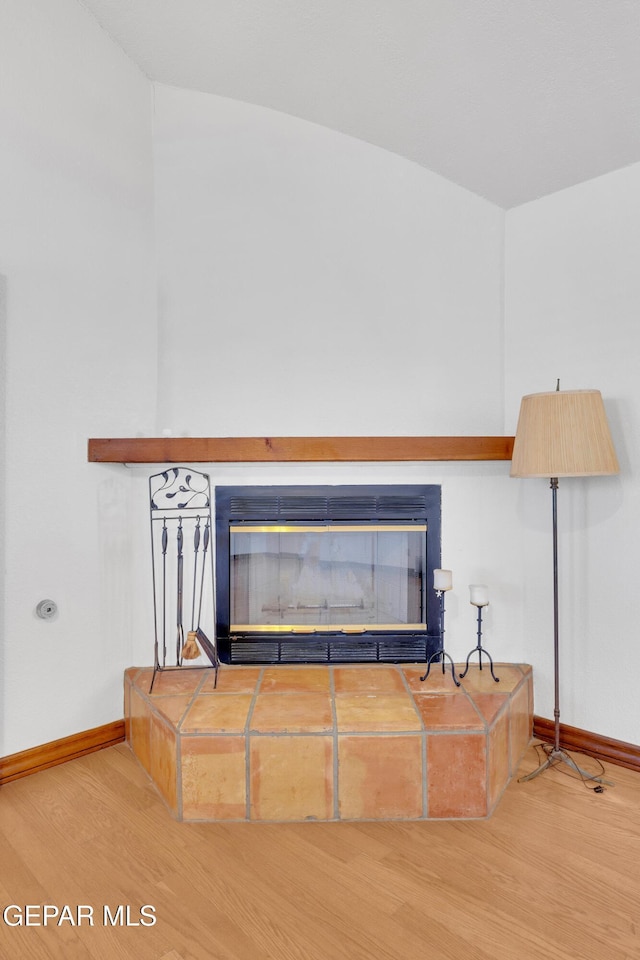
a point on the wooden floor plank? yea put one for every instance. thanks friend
(553, 874)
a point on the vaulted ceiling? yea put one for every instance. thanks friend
(512, 99)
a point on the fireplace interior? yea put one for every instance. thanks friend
(322, 574)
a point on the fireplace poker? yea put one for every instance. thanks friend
(180, 631)
(165, 540)
(156, 653)
(196, 547)
(205, 547)
(191, 650)
(199, 634)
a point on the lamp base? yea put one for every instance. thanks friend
(555, 756)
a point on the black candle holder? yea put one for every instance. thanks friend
(441, 652)
(479, 649)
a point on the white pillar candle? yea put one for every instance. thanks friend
(479, 594)
(442, 580)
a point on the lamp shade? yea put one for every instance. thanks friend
(563, 434)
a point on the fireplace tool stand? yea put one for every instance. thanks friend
(183, 569)
(479, 649)
(441, 654)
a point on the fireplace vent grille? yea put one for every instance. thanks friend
(259, 508)
(317, 507)
(246, 652)
(302, 507)
(384, 650)
(397, 507)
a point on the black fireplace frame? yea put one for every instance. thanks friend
(362, 503)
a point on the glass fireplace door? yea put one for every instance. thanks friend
(328, 577)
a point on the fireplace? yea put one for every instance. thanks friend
(327, 574)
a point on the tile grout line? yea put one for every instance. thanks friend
(513, 761)
(424, 757)
(247, 744)
(150, 714)
(410, 692)
(190, 703)
(425, 775)
(336, 745)
(179, 800)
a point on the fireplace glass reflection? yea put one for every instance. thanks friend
(327, 577)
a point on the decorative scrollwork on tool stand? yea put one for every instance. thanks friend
(442, 581)
(189, 486)
(182, 558)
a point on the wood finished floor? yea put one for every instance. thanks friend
(554, 874)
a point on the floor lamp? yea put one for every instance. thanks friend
(562, 434)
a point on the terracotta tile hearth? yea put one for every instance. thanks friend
(355, 742)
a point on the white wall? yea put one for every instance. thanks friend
(76, 255)
(311, 284)
(572, 306)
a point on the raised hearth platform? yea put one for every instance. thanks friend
(318, 742)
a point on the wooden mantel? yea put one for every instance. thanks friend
(296, 449)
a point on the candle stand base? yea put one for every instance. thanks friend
(479, 650)
(441, 653)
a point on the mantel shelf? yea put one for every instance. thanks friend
(296, 449)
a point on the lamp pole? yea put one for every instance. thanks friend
(556, 620)
(555, 754)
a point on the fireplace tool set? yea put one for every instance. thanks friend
(183, 570)
(443, 581)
